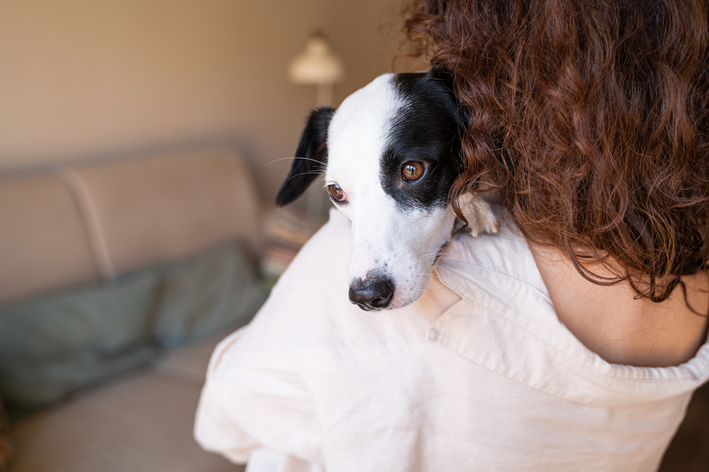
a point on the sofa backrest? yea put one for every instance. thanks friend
(89, 223)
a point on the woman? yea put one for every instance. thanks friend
(571, 340)
(591, 119)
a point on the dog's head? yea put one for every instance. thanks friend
(390, 154)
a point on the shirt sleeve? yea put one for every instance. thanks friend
(246, 406)
(254, 396)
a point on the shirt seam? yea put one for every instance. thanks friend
(558, 351)
(536, 291)
(562, 354)
(290, 356)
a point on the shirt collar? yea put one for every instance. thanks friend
(507, 323)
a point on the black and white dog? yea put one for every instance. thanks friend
(390, 154)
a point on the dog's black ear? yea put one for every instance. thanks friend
(310, 157)
(443, 75)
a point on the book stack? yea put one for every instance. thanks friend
(285, 234)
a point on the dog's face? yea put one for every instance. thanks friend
(391, 155)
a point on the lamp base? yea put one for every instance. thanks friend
(323, 95)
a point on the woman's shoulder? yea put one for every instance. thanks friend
(510, 322)
(620, 327)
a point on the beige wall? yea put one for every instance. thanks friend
(83, 80)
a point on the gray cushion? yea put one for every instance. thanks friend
(206, 293)
(52, 346)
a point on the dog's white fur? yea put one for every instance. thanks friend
(403, 243)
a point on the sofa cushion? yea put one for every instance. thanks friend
(166, 206)
(86, 223)
(142, 422)
(54, 345)
(43, 242)
(206, 293)
(51, 346)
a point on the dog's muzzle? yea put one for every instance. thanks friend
(373, 293)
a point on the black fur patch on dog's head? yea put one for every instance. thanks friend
(426, 129)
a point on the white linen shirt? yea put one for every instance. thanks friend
(478, 375)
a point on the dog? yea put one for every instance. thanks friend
(390, 154)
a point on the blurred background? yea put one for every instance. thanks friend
(142, 144)
(87, 80)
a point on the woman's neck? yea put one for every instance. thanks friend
(612, 322)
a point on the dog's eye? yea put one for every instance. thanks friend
(336, 192)
(412, 171)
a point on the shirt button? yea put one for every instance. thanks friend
(431, 335)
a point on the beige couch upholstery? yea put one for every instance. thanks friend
(141, 422)
(87, 224)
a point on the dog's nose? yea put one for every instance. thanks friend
(373, 293)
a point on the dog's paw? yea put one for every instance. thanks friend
(481, 218)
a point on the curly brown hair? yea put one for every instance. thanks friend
(590, 118)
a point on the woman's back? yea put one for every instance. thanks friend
(620, 327)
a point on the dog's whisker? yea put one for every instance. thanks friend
(306, 173)
(294, 158)
(279, 160)
(316, 182)
(425, 256)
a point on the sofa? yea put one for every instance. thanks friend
(117, 279)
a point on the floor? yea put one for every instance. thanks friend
(689, 450)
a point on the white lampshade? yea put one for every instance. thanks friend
(316, 65)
